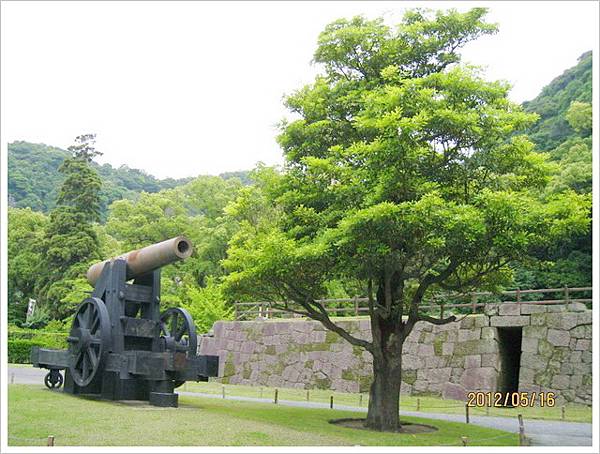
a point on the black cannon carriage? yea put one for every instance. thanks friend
(121, 347)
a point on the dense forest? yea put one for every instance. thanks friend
(47, 258)
(34, 178)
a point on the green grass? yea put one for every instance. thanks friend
(573, 412)
(34, 413)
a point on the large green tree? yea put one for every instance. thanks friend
(405, 172)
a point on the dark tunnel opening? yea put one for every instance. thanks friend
(509, 340)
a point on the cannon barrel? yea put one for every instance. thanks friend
(144, 260)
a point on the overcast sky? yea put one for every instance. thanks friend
(181, 89)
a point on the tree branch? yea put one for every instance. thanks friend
(435, 320)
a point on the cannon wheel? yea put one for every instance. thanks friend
(53, 379)
(178, 333)
(89, 340)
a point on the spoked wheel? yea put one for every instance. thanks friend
(89, 340)
(178, 333)
(53, 379)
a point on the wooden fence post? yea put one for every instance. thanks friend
(223, 391)
(276, 395)
(562, 412)
(360, 398)
(418, 404)
(518, 296)
(566, 294)
(521, 431)
(473, 302)
(308, 395)
(50, 440)
(355, 306)
(330, 401)
(467, 413)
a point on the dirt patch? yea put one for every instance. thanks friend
(406, 427)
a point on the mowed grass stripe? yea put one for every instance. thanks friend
(35, 413)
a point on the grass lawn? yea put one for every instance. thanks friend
(573, 412)
(35, 412)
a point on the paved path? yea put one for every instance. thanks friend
(541, 433)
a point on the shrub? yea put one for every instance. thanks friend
(20, 342)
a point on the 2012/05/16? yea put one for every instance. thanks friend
(515, 399)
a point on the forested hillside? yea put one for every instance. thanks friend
(33, 178)
(552, 104)
(564, 131)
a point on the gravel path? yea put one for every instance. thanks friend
(541, 433)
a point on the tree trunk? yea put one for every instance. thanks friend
(384, 395)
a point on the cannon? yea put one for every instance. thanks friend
(121, 346)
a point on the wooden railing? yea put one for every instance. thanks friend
(439, 304)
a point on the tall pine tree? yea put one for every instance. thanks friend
(71, 243)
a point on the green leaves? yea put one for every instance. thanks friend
(404, 163)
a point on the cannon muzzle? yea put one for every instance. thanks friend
(144, 260)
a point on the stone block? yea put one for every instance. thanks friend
(412, 361)
(420, 386)
(528, 309)
(557, 308)
(538, 319)
(561, 381)
(536, 332)
(545, 348)
(453, 391)
(576, 307)
(489, 360)
(457, 361)
(483, 378)
(529, 344)
(472, 361)
(489, 332)
(583, 344)
(533, 361)
(526, 375)
(425, 350)
(433, 362)
(480, 320)
(574, 357)
(441, 375)
(468, 322)
(405, 388)
(474, 347)
(566, 369)
(561, 320)
(584, 318)
(447, 348)
(509, 309)
(509, 320)
(558, 338)
(576, 381)
(469, 334)
(579, 332)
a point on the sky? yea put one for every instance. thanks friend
(180, 89)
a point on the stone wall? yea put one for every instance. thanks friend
(447, 360)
